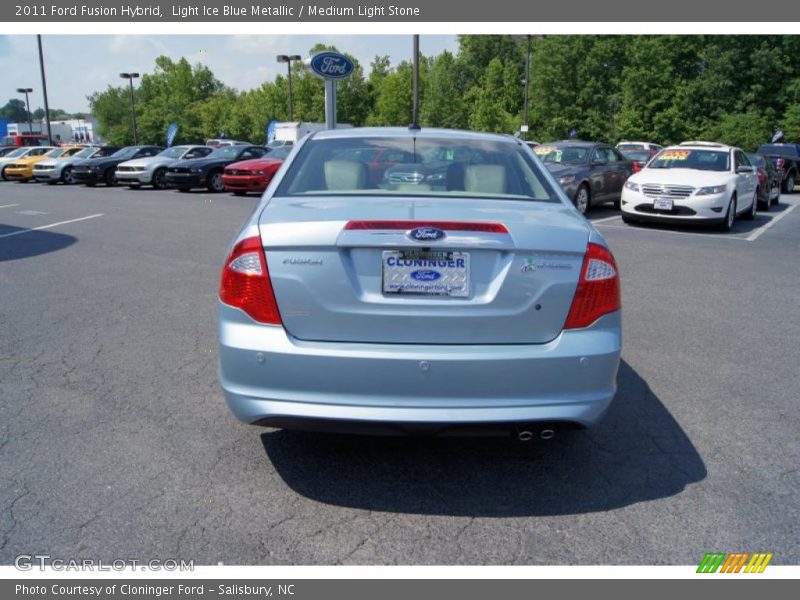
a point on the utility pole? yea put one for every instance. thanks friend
(44, 91)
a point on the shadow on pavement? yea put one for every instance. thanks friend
(638, 453)
(31, 243)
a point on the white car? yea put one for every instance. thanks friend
(152, 170)
(626, 146)
(695, 182)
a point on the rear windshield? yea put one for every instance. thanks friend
(787, 150)
(405, 166)
(626, 147)
(642, 156)
(701, 160)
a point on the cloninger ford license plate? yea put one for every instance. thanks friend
(426, 272)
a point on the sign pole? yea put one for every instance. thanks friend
(330, 104)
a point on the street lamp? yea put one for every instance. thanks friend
(27, 91)
(130, 77)
(288, 58)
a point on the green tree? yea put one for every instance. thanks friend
(14, 111)
(444, 102)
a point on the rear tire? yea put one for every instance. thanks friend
(3, 175)
(788, 184)
(110, 178)
(730, 217)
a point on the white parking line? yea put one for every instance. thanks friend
(606, 219)
(754, 236)
(716, 236)
(51, 225)
(8, 205)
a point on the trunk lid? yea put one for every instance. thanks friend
(329, 280)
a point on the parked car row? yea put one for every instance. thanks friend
(692, 182)
(237, 167)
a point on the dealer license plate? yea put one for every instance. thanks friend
(426, 272)
(662, 204)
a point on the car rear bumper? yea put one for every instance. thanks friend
(244, 183)
(270, 378)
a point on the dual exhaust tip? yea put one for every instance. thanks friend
(526, 435)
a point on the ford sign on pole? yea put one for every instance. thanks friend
(330, 66)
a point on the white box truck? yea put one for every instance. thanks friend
(289, 133)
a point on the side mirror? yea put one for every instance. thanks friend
(742, 170)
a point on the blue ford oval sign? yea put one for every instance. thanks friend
(426, 275)
(331, 65)
(426, 234)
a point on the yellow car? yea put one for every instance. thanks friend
(21, 169)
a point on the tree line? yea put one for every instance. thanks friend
(735, 89)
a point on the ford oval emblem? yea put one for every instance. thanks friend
(331, 65)
(426, 234)
(425, 275)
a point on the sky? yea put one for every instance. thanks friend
(77, 65)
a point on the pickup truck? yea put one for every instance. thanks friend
(786, 158)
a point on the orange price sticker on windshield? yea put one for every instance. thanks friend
(544, 149)
(675, 155)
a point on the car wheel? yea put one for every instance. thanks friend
(66, 176)
(3, 175)
(788, 184)
(215, 182)
(110, 178)
(581, 199)
(751, 212)
(160, 179)
(730, 216)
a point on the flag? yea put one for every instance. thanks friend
(172, 131)
(271, 130)
(573, 133)
(777, 136)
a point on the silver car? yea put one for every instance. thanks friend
(152, 170)
(58, 169)
(405, 280)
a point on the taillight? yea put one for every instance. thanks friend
(598, 288)
(245, 282)
(762, 177)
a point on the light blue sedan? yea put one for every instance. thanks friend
(418, 281)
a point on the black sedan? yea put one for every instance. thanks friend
(589, 172)
(103, 168)
(207, 172)
(769, 180)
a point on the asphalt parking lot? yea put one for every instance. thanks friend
(115, 441)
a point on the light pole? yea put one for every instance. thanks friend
(130, 77)
(27, 91)
(44, 91)
(527, 85)
(288, 58)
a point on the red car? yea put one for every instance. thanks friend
(639, 157)
(253, 175)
